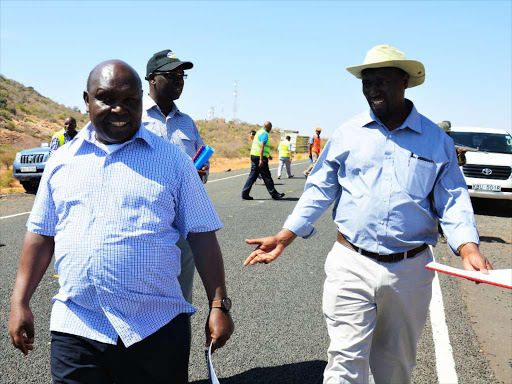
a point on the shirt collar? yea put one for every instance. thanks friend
(413, 120)
(87, 134)
(148, 103)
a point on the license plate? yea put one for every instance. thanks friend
(487, 187)
(28, 169)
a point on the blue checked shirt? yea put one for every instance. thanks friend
(115, 219)
(389, 188)
(177, 127)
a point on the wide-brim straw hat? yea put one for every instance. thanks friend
(383, 56)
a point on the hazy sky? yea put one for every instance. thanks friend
(288, 57)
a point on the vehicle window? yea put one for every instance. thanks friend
(487, 142)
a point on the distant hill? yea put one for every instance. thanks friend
(231, 139)
(28, 118)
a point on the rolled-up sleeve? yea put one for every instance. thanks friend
(321, 190)
(453, 204)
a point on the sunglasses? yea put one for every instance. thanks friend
(172, 75)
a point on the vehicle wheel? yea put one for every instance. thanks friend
(29, 187)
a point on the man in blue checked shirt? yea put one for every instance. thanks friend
(160, 115)
(391, 174)
(119, 315)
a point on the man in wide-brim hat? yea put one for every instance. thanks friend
(392, 174)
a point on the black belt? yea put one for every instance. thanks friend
(391, 258)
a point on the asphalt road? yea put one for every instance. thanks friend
(280, 334)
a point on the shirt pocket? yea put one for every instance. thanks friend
(187, 142)
(420, 178)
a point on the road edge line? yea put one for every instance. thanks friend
(245, 174)
(445, 364)
(17, 214)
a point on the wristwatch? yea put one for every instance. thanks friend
(224, 304)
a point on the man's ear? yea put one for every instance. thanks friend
(151, 78)
(406, 80)
(86, 99)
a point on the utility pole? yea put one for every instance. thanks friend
(235, 95)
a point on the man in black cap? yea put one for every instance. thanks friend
(166, 74)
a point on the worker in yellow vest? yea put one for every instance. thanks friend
(314, 150)
(285, 157)
(260, 154)
(63, 135)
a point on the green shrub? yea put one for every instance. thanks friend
(29, 120)
(7, 158)
(23, 108)
(61, 116)
(5, 114)
(10, 126)
(245, 150)
(7, 180)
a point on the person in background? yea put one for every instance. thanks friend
(314, 150)
(285, 157)
(391, 174)
(119, 315)
(62, 136)
(260, 154)
(165, 74)
(251, 137)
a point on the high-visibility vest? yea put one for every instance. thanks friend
(60, 136)
(284, 149)
(255, 149)
(315, 147)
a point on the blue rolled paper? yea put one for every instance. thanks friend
(202, 156)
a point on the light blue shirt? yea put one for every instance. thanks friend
(177, 127)
(389, 188)
(115, 218)
(263, 137)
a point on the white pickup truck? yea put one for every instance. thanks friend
(488, 172)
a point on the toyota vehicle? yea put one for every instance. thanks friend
(488, 170)
(29, 165)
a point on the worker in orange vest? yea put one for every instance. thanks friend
(314, 150)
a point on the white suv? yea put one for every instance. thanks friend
(488, 171)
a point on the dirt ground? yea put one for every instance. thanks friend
(217, 165)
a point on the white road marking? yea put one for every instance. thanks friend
(245, 174)
(17, 214)
(445, 364)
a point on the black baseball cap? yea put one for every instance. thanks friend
(164, 61)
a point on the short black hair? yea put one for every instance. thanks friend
(288, 138)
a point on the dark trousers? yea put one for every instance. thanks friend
(264, 171)
(160, 358)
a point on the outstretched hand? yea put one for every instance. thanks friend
(269, 248)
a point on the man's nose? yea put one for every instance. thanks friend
(374, 90)
(119, 109)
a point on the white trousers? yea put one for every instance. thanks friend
(375, 313)
(286, 162)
